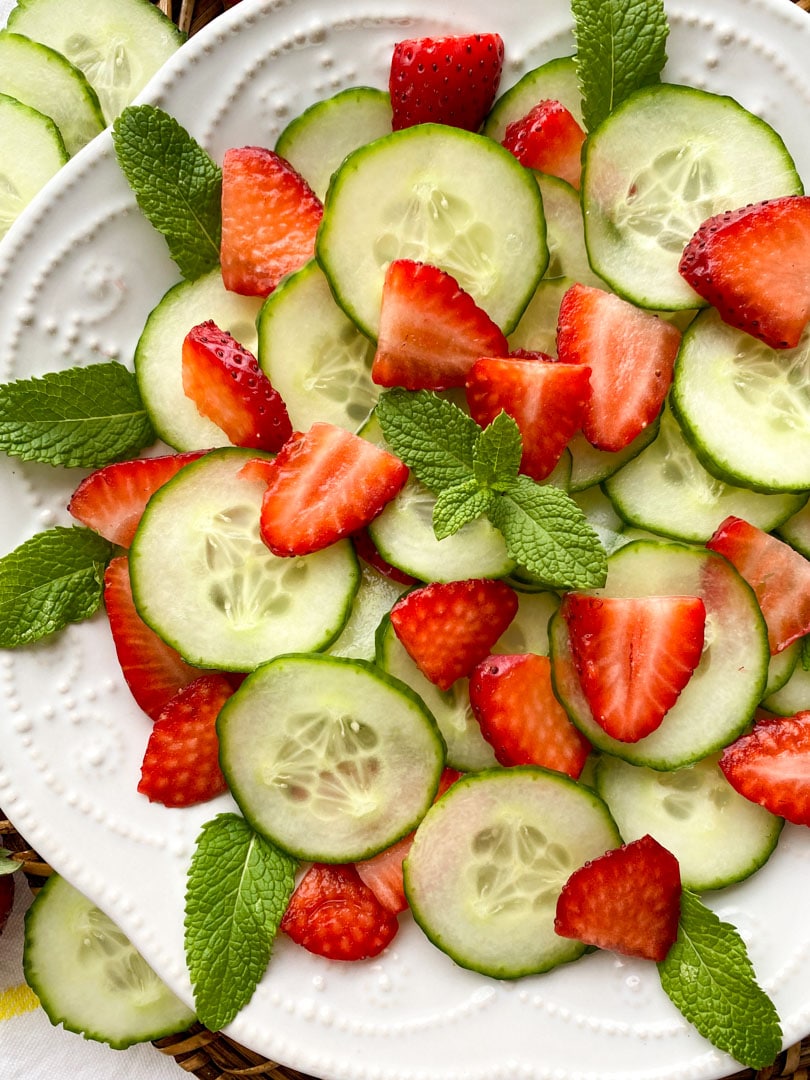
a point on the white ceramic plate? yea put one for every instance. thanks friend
(79, 272)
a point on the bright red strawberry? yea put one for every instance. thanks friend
(446, 80)
(431, 330)
(153, 671)
(324, 485)
(7, 890)
(546, 399)
(778, 574)
(548, 139)
(334, 914)
(514, 703)
(771, 766)
(366, 550)
(449, 627)
(633, 656)
(270, 216)
(753, 265)
(627, 900)
(111, 500)
(631, 354)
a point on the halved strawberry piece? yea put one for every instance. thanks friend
(431, 330)
(270, 216)
(7, 890)
(181, 763)
(548, 139)
(633, 656)
(153, 670)
(627, 900)
(770, 765)
(447, 80)
(449, 627)
(225, 382)
(753, 265)
(514, 703)
(631, 354)
(334, 914)
(111, 500)
(777, 573)
(324, 485)
(546, 399)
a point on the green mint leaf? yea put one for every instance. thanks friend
(458, 505)
(8, 865)
(55, 578)
(178, 186)
(547, 533)
(621, 46)
(709, 977)
(498, 451)
(84, 416)
(238, 889)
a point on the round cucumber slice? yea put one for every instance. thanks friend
(793, 696)
(329, 758)
(556, 79)
(781, 668)
(537, 329)
(31, 152)
(591, 466)
(375, 598)
(568, 256)
(796, 531)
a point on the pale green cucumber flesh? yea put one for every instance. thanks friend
(781, 668)
(537, 329)
(31, 152)
(793, 696)
(796, 531)
(591, 466)
(555, 80)
(568, 256)
(374, 599)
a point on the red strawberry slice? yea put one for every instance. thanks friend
(153, 670)
(324, 485)
(771, 766)
(447, 80)
(334, 914)
(449, 627)
(181, 763)
(753, 265)
(548, 139)
(631, 354)
(111, 500)
(633, 656)
(7, 890)
(627, 900)
(546, 399)
(514, 703)
(270, 216)
(777, 573)
(431, 330)
(225, 382)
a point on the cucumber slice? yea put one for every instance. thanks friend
(601, 515)
(330, 758)
(568, 256)
(375, 598)
(537, 329)
(230, 603)
(796, 531)
(31, 152)
(591, 466)
(793, 696)
(87, 975)
(439, 195)
(556, 79)
(490, 860)
(664, 161)
(781, 668)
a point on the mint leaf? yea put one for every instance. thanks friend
(621, 46)
(84, 416)
(709, 977)
(55, 578)
(497, 453)
(238, 889)
(8, 864)
(457, 505)
(177, 185)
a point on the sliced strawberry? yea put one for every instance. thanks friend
(334, 914)
(449, 627)
(431, 330)
(225, 382)
(153, 670)
(778, 574)
(323, 486)
(446, 80)
(546, 399)
(111, 500)
(181, 763)
(631, 354)
(548, 139)
(753, 265)
(367, 551)
(270, 216)
(7, 890)
(627, 900)
(514, 703)
(633, 656)
(771, 766)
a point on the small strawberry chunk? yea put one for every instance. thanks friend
(7, 890)
(448, 80)
(431, 330)
(449, 627)
(771, 766)
(627, 900)
(753, 265)
(548, 139)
